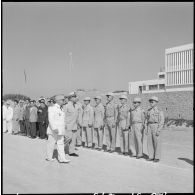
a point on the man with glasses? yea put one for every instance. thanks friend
(155, 122)
(137, 120)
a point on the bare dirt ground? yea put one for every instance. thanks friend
(26, 171)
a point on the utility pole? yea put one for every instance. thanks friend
(70, 70)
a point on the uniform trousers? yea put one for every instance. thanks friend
(110, 137)
(16, 126)
(123, 139)
(22, 126)
(73, 135)
(87, 136)
(33, 129)
(52, 140)
(98, 137)
(27, 127)
(79, 138)
(9, 126)
(42, 130)
(136, 139)
(153, 142)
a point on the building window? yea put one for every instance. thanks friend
(161, 76)
(161, 86)
(140, 89)
(153, 87)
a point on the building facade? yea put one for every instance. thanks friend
(148, 86)
(179, 68)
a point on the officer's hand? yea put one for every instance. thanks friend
(56, 131)
(157, 133)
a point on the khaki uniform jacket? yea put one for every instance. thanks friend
(123, 116)
(21, 113)
(154, 115)
(98, 116)
(71, 116)
(56, 118)
(88, 116)
(137, 115)
(111, 113)
(16, 113)
(9, 114)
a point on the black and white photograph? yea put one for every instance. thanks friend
(97, 97)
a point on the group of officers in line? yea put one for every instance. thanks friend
(71, 124)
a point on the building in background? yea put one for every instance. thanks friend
(148, 86)
(178, 74)
(179, 68)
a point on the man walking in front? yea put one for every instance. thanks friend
(154, 122)
(56, 130)
(111, 115)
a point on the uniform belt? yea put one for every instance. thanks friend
(152, 122)
(136, 122)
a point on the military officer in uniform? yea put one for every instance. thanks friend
(9, 117)
(137, 121)
(4, 116)
(16, 112)
(154, 122)
(87, 123)
(98, 123)
(56, 130)
(33, 119)
(110, 122)
(21, 117)
(71, 118)
(26, 117)
(123, 124)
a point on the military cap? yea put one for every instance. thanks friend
(41, 101)
(137, 99)
(123, 97)
(98, 97)
(72, 94)
(59, 97)
(87, 99)
(109, 94)
(154, 98)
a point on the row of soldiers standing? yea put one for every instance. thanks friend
(86, 125)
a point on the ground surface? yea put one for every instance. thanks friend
(26, 171)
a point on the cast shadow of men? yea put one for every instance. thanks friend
(187, 160)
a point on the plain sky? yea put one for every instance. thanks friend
(111, 44)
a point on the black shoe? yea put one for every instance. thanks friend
(156, 160)
(126, 154)
(138, 157)
(111, 151)
(150, 159)
(74, 154)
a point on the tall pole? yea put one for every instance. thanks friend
(70, 70)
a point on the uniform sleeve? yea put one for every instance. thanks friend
(91, 116)
(143, 118)
(11, 113)
(115, 113)
(103, 113)
(51, 118)
(161, 120)
(128, 118)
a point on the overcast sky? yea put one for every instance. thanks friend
(111, 44)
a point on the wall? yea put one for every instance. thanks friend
(180, 102)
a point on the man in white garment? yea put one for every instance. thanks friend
(4, 116)
(9, 117)
(56, 130)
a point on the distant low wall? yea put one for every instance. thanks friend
(173, 104)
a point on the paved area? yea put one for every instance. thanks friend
(26, 171)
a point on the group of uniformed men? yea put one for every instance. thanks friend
(25, 118)
(70, 123)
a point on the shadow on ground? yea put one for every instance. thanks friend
(187, 160)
